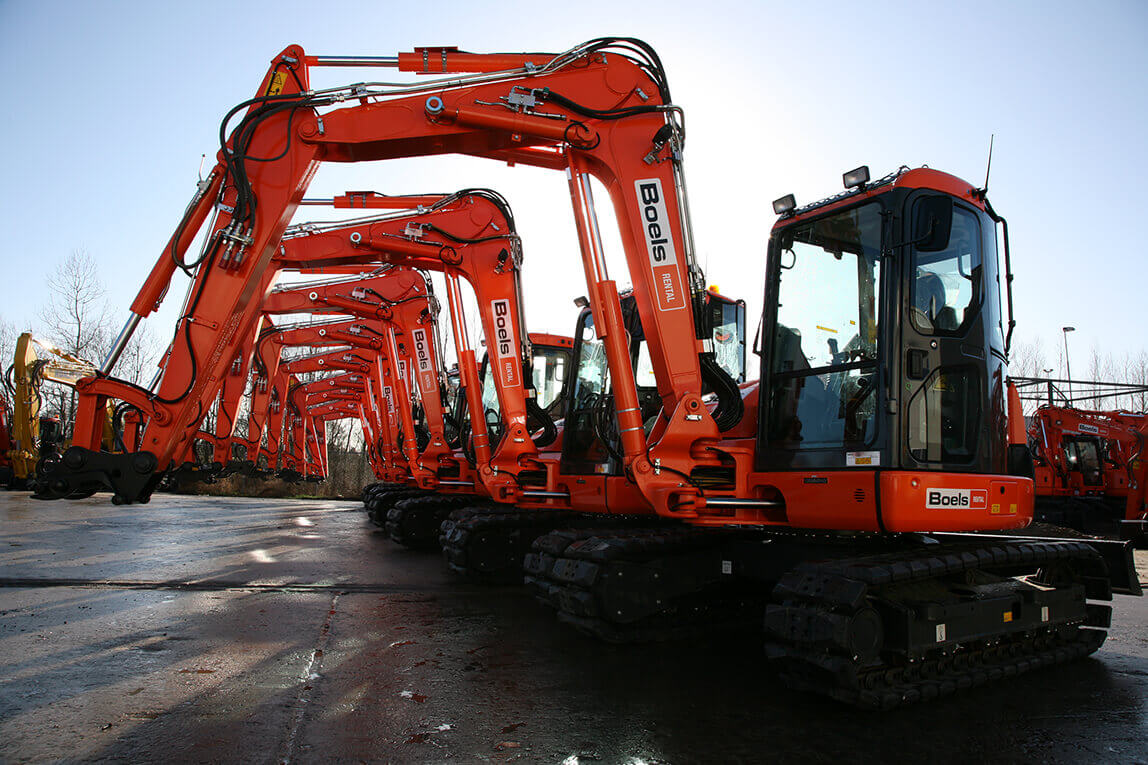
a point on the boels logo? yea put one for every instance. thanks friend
(421, 354)
(956, 499)
(504, 352)
(660, 244)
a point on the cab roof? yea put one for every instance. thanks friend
(903, 177)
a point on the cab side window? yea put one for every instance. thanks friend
(948, 284)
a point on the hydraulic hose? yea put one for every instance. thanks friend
(541, 419)
(730, 407)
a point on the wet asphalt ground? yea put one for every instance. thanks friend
(250, 630)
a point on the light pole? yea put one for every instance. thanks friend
(1067, 360)
(1048, 374)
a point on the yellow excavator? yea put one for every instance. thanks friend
(32, 436)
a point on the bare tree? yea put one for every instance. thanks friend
(7, 354)
(1100, 366)
(1136, 372)
(1027, 359)
(76, 313)
(76, 316)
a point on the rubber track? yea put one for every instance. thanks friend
(811, 652)
(370, 491)
(383, 501)
(407, 522)
(506, 531)
(574, 570)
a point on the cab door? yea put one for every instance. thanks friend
(944, 371)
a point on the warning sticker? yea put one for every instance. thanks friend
(862, 459)
(275, 87)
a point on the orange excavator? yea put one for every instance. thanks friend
(1090, 469)
(322, 297)
(466, 236)
(855, 500)
(367, 338)
(396, 303)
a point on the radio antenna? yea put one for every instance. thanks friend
(989, 168)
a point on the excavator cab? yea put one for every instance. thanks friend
(51, 436)
(551, 363)
(549, 367)
(883, 331)
(1083, 459)
(591, 442)
(454, 405)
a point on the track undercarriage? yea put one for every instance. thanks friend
(875, 621)
(872, 621)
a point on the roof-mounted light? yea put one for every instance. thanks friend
(856, 178)
(786, 204)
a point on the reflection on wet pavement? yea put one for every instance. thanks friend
(265, 630)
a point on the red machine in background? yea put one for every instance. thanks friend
(1090, 469)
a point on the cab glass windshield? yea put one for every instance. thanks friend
(825, 341)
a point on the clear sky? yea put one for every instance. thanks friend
(111, 105)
